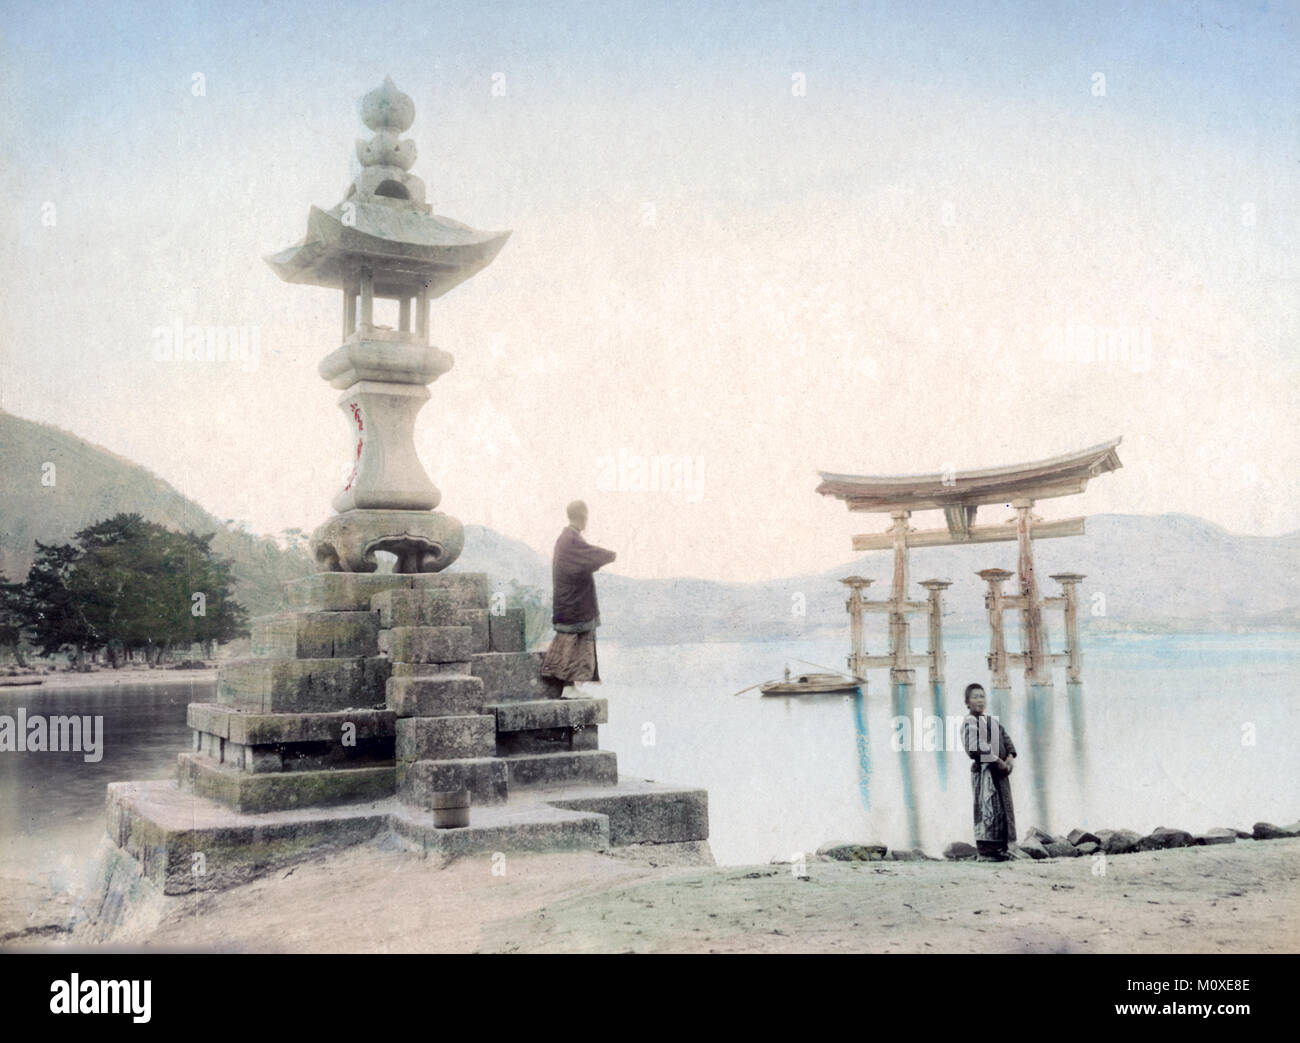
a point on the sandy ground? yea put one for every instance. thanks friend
(1243, 897)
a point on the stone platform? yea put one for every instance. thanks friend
(185, 843)
(369, 697)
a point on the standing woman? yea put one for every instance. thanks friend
(992, 757)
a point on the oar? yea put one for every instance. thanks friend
(750, 688)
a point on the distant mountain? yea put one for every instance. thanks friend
(90, 484)
(1144, 572)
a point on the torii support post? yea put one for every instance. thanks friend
(899, 636)
(1074, 669)
(1038, 673)
(856, 585)
(935, 589)
(1000, 690)
(902, 678)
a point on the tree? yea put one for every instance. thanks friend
(126, 584)
(12, 617)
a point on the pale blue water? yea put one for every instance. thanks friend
(1164, 746)
(1164, 731)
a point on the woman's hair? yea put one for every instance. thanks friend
(972, 688)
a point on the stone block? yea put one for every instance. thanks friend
(485, 777)
(851, 851)
(252, 729)
(302, 685)
(507, 631)
(591, 767)
(315, 635)
(1061, 849)
(1268, 831)
(164, 828)
(432, 603)
(445, 738)
(446, 695)
(549, 713)
(341, 591)
(1216, 836)
(514, 677)
(255, 793)
(1118, 841)
(491, 829)
(959, 851)
(429, 644)
(1161, 838)
(1082, 836)
(644, 813)
(547, 740)
(430, 669)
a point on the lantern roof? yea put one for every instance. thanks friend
(383, 222)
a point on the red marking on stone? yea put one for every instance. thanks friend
(356, 415)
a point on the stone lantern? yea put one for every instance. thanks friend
(384, 242)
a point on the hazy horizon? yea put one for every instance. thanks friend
(748, 244)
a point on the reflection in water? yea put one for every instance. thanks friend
(863, 745)
(784, 775)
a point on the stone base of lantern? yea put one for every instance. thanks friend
(372, 697)
(422, 541)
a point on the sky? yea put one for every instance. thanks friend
(749, 242)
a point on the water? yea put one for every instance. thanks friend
(52, 804)
(1169, 732)
(1169, 722)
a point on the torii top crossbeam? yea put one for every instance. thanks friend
(959, 494)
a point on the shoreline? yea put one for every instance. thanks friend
(1242, 897)
(64, 681)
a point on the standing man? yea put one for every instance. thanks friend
(571, 658)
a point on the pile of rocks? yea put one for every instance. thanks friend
(1038, 843)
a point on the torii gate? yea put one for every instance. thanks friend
(960, 495)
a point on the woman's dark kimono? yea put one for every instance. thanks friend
(987, 743)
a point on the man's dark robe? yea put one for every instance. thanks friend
(571, 657)
(987, 743)
(574, 605)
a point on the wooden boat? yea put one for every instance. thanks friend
(14, 682)
(810, 684)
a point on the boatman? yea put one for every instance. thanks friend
(571, 658)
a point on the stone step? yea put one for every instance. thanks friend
(429, 603)
(513, 677)
(547, 740)
(445, 695)
(532, 828)
(279, 791)
(486, 778)
(445, 738)
(164, 827)
(315, 635)
(644, 812)
(549, 713)
(296, 756)
(589, 767)
(427, 644)
(252, 729)
(431, 669)
(302, 685)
